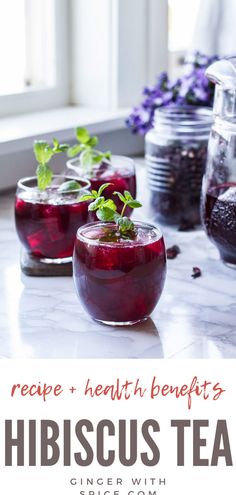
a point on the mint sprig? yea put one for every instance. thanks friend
(106, 210)
(128, 200)
(86, 148)
(43, 153)
(44, 175)
(69, 186)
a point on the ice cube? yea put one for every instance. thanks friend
(223, 217)
(37, 238)
(229, 195)
(54, 229)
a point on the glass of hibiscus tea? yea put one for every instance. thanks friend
(48, 210)
(119, 266)
(101, 168)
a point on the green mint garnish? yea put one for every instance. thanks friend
(86, 148)
(106, 210)
(95, 194)
(43, 153)
(82, 135)
(125, 225)
(70, 185)
(44, 175)
(59, 148)
(128, 200)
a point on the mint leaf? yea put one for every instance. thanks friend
(74, 150)
(120, 196)
(70, 185)
(96, 204)
(82, 135)
(128, 196)
(134, 204)
(56, 143)
(107, 155)
(106, 214)
(42, 151)
(93, 141)
(43, 154)
(86, 157)
(62, 148)
(125, 224)
(103, 187)
(128, 200)
(86, 197)
(44, 175)
(97, 158)
(110, 204)
(101, 203)
(59, 148)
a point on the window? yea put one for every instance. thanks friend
(182, 16)
(33, 40)
(12, 73)
(60, 54)
(28, 60)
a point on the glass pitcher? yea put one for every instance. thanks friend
(218, 204)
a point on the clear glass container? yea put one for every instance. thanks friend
(119, 171)
(175, 152)
(218, 206)
(47, 221)
(119, 281)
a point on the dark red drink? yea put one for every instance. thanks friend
(119, 172)
(219, 219)
(47, 222)
(119, 281)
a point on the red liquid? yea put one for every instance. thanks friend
(121, 180)
(219, 218)
(49, 230)
(122, 281)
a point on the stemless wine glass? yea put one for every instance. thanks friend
(119, 281)
(47, 221)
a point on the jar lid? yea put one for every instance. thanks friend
(186, 115)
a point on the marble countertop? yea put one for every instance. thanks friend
(43, 318)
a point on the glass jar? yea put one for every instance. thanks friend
(119, 281)
(119, 171)
(47, 221)
(175, 152)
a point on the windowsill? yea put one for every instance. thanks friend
(16, 133)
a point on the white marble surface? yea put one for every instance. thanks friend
(42, 318)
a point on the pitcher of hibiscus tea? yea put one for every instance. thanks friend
(218, 206)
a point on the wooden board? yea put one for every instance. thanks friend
(33, 267)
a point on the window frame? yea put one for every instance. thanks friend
(84, 100)
(32, 99)
(128, 62)
(112, 84)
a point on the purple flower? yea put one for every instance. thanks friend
(193, 88)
